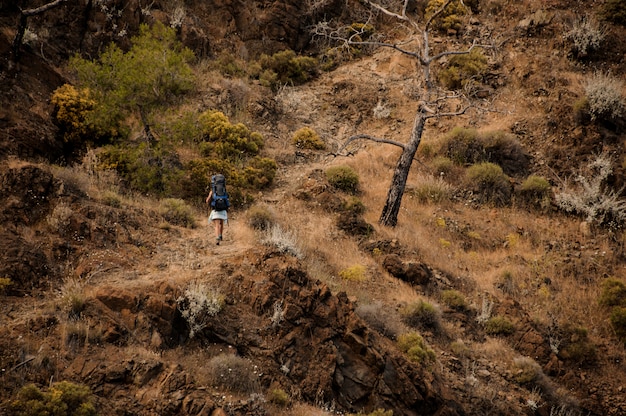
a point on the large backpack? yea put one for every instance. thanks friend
(219, 200)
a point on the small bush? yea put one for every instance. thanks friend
(307, 138)
(344, 178)
(586, 37)
(450, 19)
(613, 293)
(73, 297)
(527, 370)
(464, 69)
(62, 399)
(226, 140)
(233, 373)
(422, 315)
(615, 11)
(577, 347)
(5, 282)
(416, 348)
(618, 321)
(454, 299)
(279, 397)
(354, 273)
(499, 325)
(71, 112)
(490, 183)
(468, 146)
(382, 319)
(285, 67)
(442, 164)
(591, 197)
(535, 192)
(282, 240)
(431, 190)
(177, 212)
(260, 218)
(354, 205)
(198, 305)
(377, 412)
(605, 101)
(112, 199)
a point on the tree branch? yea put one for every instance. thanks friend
(367, 137)
(38, 10)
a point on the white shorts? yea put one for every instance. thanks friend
(218, 215)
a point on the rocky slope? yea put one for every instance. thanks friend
(294, 332)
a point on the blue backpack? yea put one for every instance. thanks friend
(219, 200)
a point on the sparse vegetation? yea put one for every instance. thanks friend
(422, 315)
(586, 37)
(604, 100)
(450, 19)
(499, 325)
(260, 218)
(282, 240)
(233, 373)
(354, 273)
(414, 346)
(615, 11)
(73, 297)
(61, 399)
(463, 70)
(383, 319)
(489, 183)
(198, 304)
(285, 68)
(279, 397)
(343, 177)
(307, 138)
(591, 197)
(177, 212)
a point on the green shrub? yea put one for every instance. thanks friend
(416, 348)
(442, 165)
(225, 140)
(260, 218)
(450, 18)
(307, 138)
(422, 315)
(527, 370)
(499, 325)
(149, 76)
(343, 177)
(354, 205)
(112, 199)
(489, 182)
(61, 399)
(229, 65)
(462, 70)
(535, 192)
(463, 146)
(577, 347)
(615, 11)
(285, 67)
(177, 212)
(613, 293)
(618, 321)
(150, 170)
(279, 397)
(454, 299)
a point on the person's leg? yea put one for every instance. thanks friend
(220, 228)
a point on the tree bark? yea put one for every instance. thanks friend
(21, 26)
(389, 215)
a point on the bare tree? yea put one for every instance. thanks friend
(21, 26)
(434, 103)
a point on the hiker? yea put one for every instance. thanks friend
(219, 203)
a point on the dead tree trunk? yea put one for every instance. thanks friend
(21, 26)
(389, 215)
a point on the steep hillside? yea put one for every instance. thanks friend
(312, 307)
